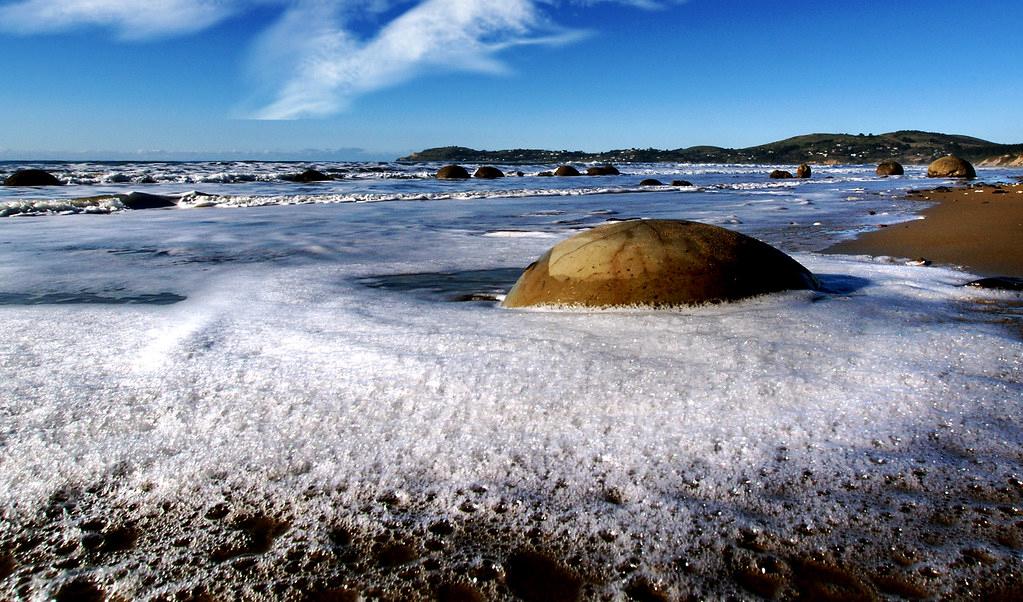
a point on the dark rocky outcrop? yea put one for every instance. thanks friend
(488, 173)
(803, 171)
(779, 174)
(651, 182)
(656, 263)
(32, 177)
(951, 166)
(681, 183)
(603, 170)
(1002, 283)
(452, 172)
(890, 168)
(307, 176)
(143, 200)
(566, 171)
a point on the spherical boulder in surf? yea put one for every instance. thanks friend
(951, 166)
(488, 173)
(803, 171)
(452, 172)
(658, 263)
(780, 174)
(31, 177)
(889, 168)
(603, 170)
(566, 171)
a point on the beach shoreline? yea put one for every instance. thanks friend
(978, 228)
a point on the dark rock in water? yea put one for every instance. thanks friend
(32, 177)
(780, 175)
(519, 174)
(452, 172)
(566, 171)
(890, 168)
(488, 173)
(603, 170)
(309, 175)
(1001, 283)
(803, 171)
(545, 174)
(656, 263)
(142, 200)
(951, 166)
(681, 183)
(651, 182)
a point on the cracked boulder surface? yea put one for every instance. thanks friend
(659, 263)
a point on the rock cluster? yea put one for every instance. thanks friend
(656, 263)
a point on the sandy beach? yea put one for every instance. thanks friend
(978, 228)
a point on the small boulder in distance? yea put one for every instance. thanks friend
(951, 166)
(681, 183)
(488, 173)
(452, 172)
(309, 175)
(779, 174)
(545, 174)
(651, 182)
(656, 263)
(603, 170)
(890, 168)
(32, 177)
(566, 171)
(803, 171)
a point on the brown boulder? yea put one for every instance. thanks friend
(488, 173)
(681, 183)
(951, 166)
(803, 171)
(780, 175)
(566, 171)
(656, 263)
(651, 182)
(603, 170)
(890, 168)
(452, 172)
(32, 177)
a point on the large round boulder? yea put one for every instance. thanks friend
(603, 170)
(951, 166)
(779, 174)
(890, 168)
(566, 171)
(488, 173)
(651, 182)
(656, 263)
(803, 171)
(31, 177)
(452, 172)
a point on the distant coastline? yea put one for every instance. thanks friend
(906, 146)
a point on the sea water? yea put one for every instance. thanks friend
(292, 388)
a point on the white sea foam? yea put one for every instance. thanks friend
(286, 385)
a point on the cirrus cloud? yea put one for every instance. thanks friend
(317, 61)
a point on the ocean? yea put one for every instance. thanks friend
(282, 391)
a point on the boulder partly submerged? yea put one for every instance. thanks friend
(656, 263)
(889, 168)
(452, 172)
(32, 177)
(566, 171)
(307, 176)
(488, 173)
(951, 166)
(804, 171)
(603, 170)
(780, 174)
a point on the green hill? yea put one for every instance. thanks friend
(906, 146)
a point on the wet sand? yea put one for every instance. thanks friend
(978, 228)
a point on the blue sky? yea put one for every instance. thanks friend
(233, 78)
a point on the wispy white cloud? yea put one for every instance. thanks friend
(315, 63)
(132, 19)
